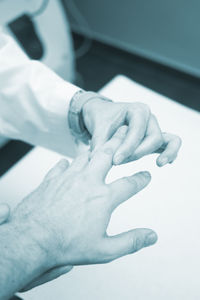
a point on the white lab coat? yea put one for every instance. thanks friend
(34, 101)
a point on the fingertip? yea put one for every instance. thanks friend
(143, 238)
(138, 181)
(63, 163)
(150, 239)
(61, 166)
(162, 161)
(118, 159)
(158, 162)
(146, 174)
(145, 177)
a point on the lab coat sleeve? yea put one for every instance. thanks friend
(34, 101)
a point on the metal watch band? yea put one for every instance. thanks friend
(75, 117)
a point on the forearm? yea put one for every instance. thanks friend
(34, 101)
(21, 259)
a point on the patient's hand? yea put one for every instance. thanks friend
(144, 135)
(69, 213)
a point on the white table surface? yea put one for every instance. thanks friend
(170, 205)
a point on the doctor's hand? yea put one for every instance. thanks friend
(144, 135)
(69, 213)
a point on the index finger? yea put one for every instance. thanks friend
(136, 131)
(101, 160)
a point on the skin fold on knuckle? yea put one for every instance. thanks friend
(131, 180)
(142, 108)
(108, 150)
(121, 132)
(136, 244)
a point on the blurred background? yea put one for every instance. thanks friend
(155, 42)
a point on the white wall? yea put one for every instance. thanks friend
(167, 31)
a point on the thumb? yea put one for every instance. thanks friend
(130, 242)
(101, 135)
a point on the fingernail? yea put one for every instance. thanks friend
(150, 239)
(163, 161)
(146, 174)
(118, 159)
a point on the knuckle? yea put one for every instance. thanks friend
(101, 192)
(120, 134)
(175, 139)
(131, 180)
(137, 244)
(142, 107)
(126, 152)
(108, 150)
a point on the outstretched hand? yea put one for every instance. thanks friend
(71, 210)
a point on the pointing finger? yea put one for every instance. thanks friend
(152, 141)
(124, 188)
(136, 131)
(171, 146)
(129, 242)
(101, 160)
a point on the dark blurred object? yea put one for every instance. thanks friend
(16, 298)
(24, 31)
(11, 153)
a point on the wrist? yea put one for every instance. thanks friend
(27, 238)
(77, 111)
(21, 258)
(90, 104)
